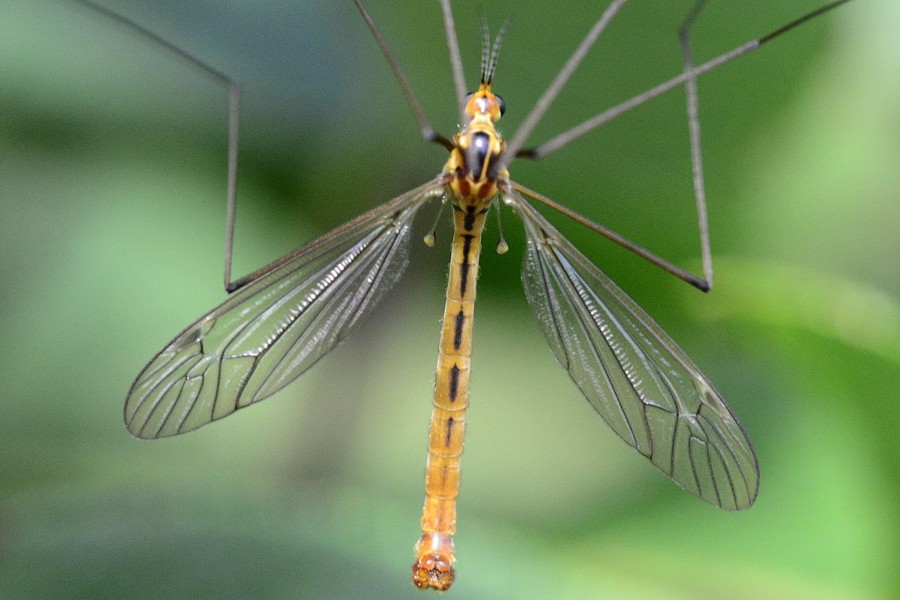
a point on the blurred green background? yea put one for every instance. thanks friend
(112, 178)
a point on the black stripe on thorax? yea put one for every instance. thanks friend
(469, 221)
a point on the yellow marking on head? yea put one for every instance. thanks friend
(485, 102)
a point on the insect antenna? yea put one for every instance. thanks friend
(485, 47)
(490, 53)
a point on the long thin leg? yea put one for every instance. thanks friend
(234, 95)
(690, 90)
(588, 125)
(686, 276)
(544, 102)
(234, 120)
(688, 77)
(425, 128)
(234, 110)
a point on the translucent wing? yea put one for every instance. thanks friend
(269, 332)
(642, 384)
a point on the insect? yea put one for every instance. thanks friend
(280, 320)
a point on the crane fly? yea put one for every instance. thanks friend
(280, 320)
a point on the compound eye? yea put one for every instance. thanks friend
(501, 103)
